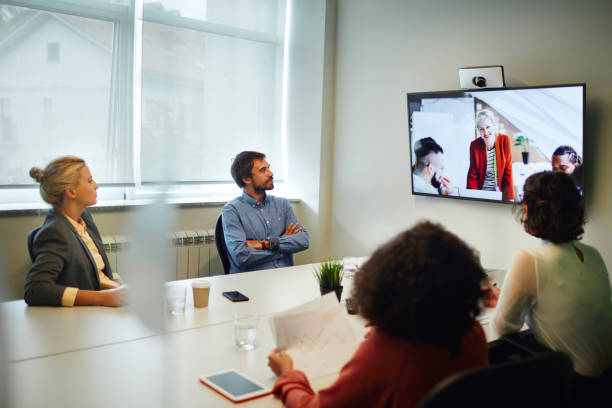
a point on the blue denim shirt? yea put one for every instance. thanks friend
(246, 218)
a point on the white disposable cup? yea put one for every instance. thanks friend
(175, 298)
(201, 292)
(245, 331)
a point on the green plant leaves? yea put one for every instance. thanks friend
(329, 274)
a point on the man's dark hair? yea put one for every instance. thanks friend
(242, 166)
(422, 148)
(554, 207)
(570, 152)
(423, 286)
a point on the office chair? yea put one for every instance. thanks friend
(543, 380)
(31, 236)
(515, 346)
(221, 247)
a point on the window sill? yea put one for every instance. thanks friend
(16, 209)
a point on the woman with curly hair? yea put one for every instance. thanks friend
(420, 292)
(561, 287)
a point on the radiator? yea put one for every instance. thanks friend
(194, 254)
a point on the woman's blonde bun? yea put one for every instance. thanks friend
(37, 174)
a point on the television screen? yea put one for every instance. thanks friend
(482, 144)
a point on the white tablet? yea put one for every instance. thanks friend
(235, 386)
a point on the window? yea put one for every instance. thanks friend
(211, 82)
(47, 118)
(5, 120)
(52, 52)
(64, 107)
(145, 91)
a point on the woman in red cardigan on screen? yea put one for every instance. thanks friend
(420, 292)
(490, 158)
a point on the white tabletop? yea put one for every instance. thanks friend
(102, 357)
(43, 331)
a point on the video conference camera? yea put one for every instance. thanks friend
(482, 77)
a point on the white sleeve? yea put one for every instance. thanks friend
(518, 294)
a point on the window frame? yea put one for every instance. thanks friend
(125, 104)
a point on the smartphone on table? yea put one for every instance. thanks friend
(235, 296)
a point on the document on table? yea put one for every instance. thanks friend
(317, 335)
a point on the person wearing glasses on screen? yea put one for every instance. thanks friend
(490, 158)
(261, 230)
(427, 176)
(69, 265)
(423, 327)
(560, 288)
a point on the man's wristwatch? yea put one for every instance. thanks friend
(272, 244)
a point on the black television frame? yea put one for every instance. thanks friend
(464, 93)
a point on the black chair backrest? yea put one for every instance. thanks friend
(542, 380)
(31, 236)
(221, 247)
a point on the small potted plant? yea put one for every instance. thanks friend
(329, 275)
(524, 142)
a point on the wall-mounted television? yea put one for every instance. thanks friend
(482, 144)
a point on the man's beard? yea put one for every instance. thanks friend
(262, 188)
(434, 181)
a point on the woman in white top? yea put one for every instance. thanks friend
(561, 287)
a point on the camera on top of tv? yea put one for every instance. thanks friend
(491, 76)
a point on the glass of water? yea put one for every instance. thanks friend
(245, 331)
(175, 298)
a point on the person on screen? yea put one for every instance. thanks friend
(69, 265)
(490, 158)
(261, 231)
(566, 160)
(423, 327)
(561, 287)
(429, 167)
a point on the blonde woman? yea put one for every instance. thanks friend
(490, 158)
(69, 265)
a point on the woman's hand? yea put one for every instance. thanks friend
(109, 285)
(491, 295)
(279, 362)
(110, 297)
(114, 297)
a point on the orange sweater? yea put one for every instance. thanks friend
(386, 371)
(478, 166)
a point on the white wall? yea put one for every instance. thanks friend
(310, 117)
(386, 49)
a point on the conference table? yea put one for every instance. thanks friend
(126, 357)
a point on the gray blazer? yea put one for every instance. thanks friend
(60, 258)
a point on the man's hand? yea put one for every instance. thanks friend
(292, 228)
(279, 362)
(255, 244)
(446, 186)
